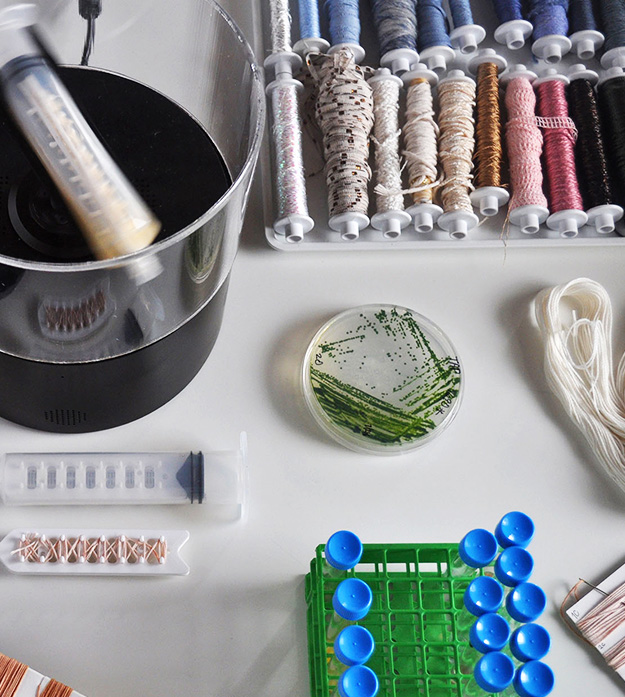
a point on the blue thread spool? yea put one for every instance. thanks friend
(613, 25)
(344, 21)
(513, 29)
(433, 38)
(396, 27)
(466, 35)
(585, 37)
(551, 27)
(310, 39)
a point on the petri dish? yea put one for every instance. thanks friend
(382, 379)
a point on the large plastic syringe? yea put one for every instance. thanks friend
(113, 218)
(214, 478)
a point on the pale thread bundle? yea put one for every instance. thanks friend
(344, 113)
(604, 617)
(420, 139)
(579, 367)
(389, 194)
(12, 673)
(456, 142)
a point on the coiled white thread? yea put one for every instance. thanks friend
(603, 619)
(579, 367)
(390, 216)
(456, 96)
(344, 113)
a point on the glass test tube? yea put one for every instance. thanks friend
(353, 647)
(476, 550)
(342, 552)
(358, 681)
(484, 594)
(530, 642)
(489, 633)
(525, 603)
(493, 674)
(351, 602)
(514, 529)
(514, 566)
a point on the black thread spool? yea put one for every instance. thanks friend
(611, 100)
(590, 153)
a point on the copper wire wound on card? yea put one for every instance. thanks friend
(12, 681)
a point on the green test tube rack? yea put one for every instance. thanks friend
(416, 604)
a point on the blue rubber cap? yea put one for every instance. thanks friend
(478, 548)
(530, 642)
(483, 594)
(490, 632)
(352, 599)
(343, 550)
(494, 672)
(515, 528)
(513, 566)
(534, 679)
(526, 602)
(354, 645)
(358, 681)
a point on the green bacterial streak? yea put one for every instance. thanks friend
(431, 387)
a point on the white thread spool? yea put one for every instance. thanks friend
(602, 218)
(569, 221)
(420, 136)
(551, 48)
(614, 58)
(437, 58)
(514, 33)
(458, 217)
(399, 60)
(489, 199)
(528, 217)
(586, 43)
(390, 217)
(467, 38)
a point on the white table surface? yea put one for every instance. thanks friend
(235, 627)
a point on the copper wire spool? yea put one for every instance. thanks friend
(488, 145)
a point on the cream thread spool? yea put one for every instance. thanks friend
(390, 217)
(421, 148)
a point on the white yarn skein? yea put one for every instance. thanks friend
(579, 367)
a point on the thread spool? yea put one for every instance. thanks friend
(466, 35)
(390, 217)
(420, 140)
(591, 153)
(310, 40)
(611, 99)
(344, 112)
(456, 96)
(513, 29)
(433, 38)
(551, 27)
(565, 199)
(585, 38)
(396, 27)
(292, 221)
(613, 25)
(489, 195)
(344, 23)
(528, 204)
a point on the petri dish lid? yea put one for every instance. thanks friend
(382, 379)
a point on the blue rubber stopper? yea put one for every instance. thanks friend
(358, 681)
(526, 602)
(494, 672)
(343, 550)
(534, 679)
(513, 566)
(515, 528)
(530, 642)
(354, 645)
(352, 599)
(483, 594)
(478, 548)
(490, 632)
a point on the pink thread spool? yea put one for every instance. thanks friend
(565, 199)
(528, 204)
